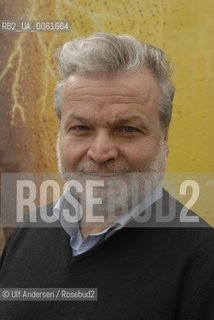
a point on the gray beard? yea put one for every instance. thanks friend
(122, 192)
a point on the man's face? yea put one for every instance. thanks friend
(111, 126)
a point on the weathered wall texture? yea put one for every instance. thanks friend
(28, 74)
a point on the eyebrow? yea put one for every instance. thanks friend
(122, 120)
(76, 116)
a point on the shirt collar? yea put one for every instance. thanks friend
(72, 228)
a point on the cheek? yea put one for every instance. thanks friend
(71, 153)
(140, 155)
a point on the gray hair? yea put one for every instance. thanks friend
(107, 54)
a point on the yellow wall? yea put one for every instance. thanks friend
(184, 28)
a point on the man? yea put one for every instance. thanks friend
(114, 107)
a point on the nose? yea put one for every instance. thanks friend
(102, 148)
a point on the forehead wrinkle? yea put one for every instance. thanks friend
(77, 87)
(111, 98)
(125, 85)
(118, 91)
(101, 95)
(109, 108)
(99, 92)
(116, 118)
(103, 101)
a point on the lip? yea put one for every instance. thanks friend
(103, 174)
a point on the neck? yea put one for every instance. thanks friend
(98, 221)
(85, 231)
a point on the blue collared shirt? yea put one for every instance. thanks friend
(80, 245)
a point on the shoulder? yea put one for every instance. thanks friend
(33, 234)
(162, 228)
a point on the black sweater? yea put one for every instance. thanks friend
(140, 274)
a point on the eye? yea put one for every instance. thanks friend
(80, 128)
(77, 130)
(128, 129)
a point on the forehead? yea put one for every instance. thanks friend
(138, 83)
(122, 92)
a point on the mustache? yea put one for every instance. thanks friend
(109, 167)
